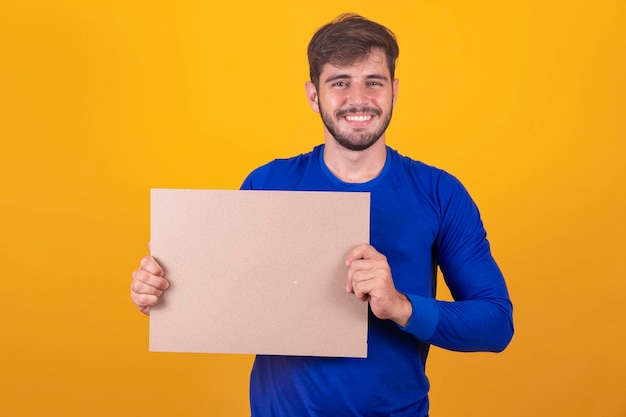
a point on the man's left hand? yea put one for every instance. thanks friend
(369, 278)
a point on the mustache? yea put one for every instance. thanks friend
(343, 112)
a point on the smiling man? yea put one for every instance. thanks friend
(421, 218)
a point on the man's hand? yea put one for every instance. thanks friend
(369, 278)
(148, 284)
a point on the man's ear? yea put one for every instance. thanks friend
(395, 86)
(312, 97)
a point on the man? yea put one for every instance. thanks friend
(421, 217)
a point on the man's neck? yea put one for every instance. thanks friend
(355, 166)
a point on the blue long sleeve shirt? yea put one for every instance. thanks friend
(421, 218)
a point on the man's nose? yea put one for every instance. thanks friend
(358, 95)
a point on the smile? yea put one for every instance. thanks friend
(359, 118)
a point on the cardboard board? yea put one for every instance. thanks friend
(259, 272)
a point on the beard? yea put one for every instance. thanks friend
(356, 141)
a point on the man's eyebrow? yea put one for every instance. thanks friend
(336, 77)
(340, 76)
(377, 77)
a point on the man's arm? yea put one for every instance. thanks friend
(481, 316)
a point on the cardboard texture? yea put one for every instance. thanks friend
(258, 272)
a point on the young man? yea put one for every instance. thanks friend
(421, 218)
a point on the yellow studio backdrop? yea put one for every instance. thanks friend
(524, 101)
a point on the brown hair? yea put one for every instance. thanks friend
(346, 40)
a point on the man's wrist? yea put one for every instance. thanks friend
(404, 310)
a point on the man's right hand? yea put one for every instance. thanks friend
(148, 284)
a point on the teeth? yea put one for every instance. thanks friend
(358, 118)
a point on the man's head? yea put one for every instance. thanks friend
(347, 40)
(352, 87)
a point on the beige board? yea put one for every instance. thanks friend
(258, 272)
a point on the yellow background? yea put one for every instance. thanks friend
(524, 101)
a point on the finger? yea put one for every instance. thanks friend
(357, 277)
(362, 251)
(356, 253)
(360, 270)
(144, 301)
(152, 280)
(139, 287)
(362, 289)
(151, 265)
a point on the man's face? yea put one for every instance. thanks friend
(355, 102)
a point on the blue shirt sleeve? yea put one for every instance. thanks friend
(480, 317)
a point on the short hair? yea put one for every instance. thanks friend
(348, 39)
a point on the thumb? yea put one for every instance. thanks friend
(362, 251)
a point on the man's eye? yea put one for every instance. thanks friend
(340, 84)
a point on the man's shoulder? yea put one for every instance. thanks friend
(423, 172)
(415, 167)
(280, 172)
(282, 165)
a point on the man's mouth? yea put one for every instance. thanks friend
(358, 115)
(362, 118)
